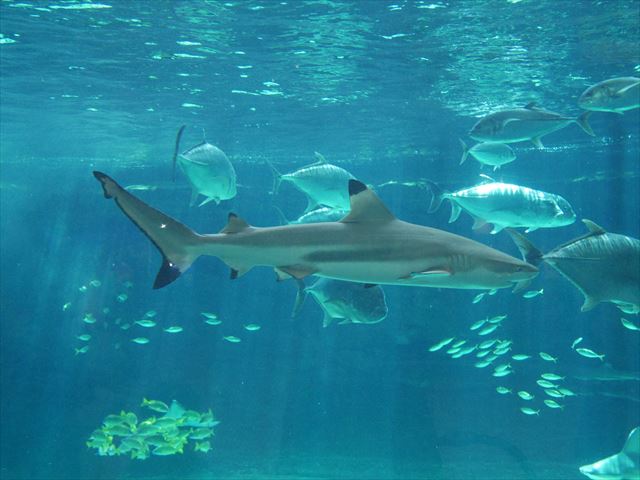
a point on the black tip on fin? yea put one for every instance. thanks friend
(234, 273)
(167, 274)
(355, 187)
(102, 177)
(231, 215)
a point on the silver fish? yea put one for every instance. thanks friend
(323, 183)
(492, 154)
(348, 302)
(369, 246)
(208, 170)
(624, 465)
(615, 95)
(505, 205)
(604, 266)
(322, 214)
(524, 124)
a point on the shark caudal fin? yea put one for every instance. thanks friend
(178, 244)
(530, 253)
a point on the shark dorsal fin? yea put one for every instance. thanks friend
(531, 106)
(632, 445)
(593, 227)
(235, 224)
(365, 205)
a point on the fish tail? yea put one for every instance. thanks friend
(437, 195)
(178, 244)
(176, 150)
(583, 121)
(465, 151)
(301, 295)
(529, 252)
(277, 178)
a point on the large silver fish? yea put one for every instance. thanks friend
(505, 205)
(524, 124)
(624, 465)
(493, 154)
(614, 95)
(370, 245)
(348, 302)
(604, 266)
(322, 214)
(208, 170)
(323, 183)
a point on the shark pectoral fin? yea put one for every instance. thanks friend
(521, 286)
(589, 303)
(297, 271)
(209, 199)
(536, 141)
(235, 224)
(326, 320)
(455, 211)
(365, 205)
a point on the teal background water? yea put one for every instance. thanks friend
(383, 89)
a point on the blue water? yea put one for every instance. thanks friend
(383, 89)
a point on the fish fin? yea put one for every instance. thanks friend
(455, 211)
(589, 303)
(531, 229)
(277, 179)
(301, 295)
(195, 162)
(496, 167)
(537, 142)
(326, 320)
(297, 271)
(370, 285)
(176, 149)
(365, 205)
(235, 224)
(632, 445)
(194, 197)
(583, 121)
(175, 241)
(593, 227)
(478, 223)
(437, 195)
(209, 199)
(320, 158)
(497, 228)
(237, 271)
(465, 151)
(311, 205)
(531, 106)
(527, 249)
(486, 178)
(624, 90)
(283, 219)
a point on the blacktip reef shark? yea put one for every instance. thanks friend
(604, 266)
(621, 466)
(370, 245)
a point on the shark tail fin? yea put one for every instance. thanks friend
(632, 445)
(465, 151)
(437, 195)
(583, 121)
(530, 253)
(176, 150)
(178, 244)
(277, 178)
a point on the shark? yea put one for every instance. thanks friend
(624, 465)
(604, 266)
(369, 245)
